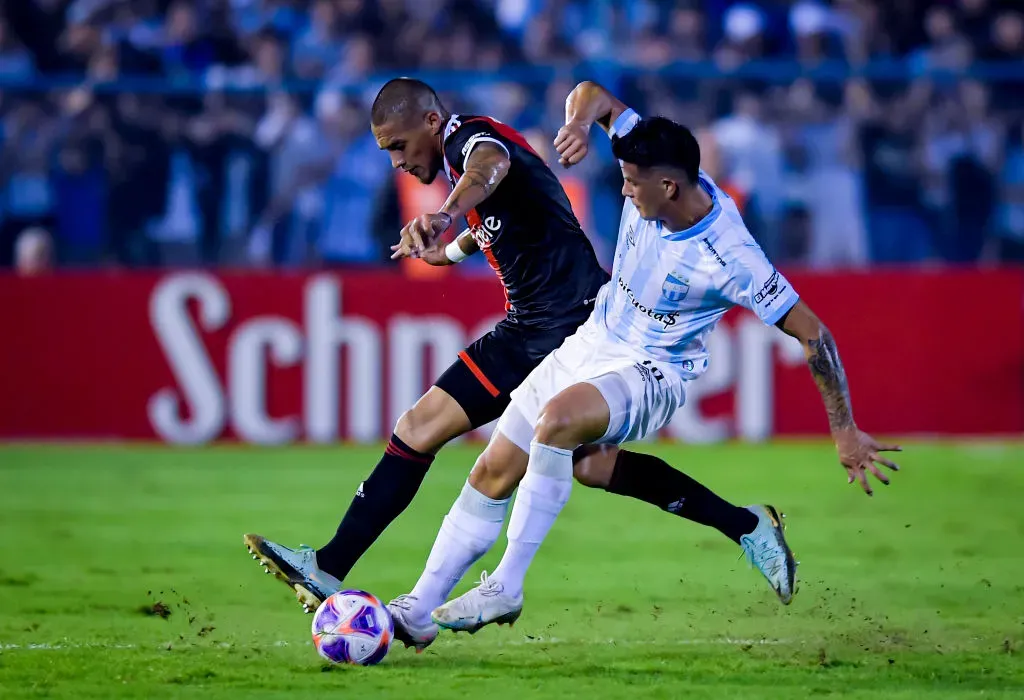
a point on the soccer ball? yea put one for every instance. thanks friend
(353, 627)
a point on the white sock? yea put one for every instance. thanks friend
(542, 494)
(470, 529)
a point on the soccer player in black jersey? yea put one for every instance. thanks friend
(520, 218)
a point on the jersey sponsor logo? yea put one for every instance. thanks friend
(772, 288)
(484, 232)
(630, 237)
(675, 288)
(711, 249)
(470, 143)
(669, 318)
(648, 370)
(482, 238)
(475, 139)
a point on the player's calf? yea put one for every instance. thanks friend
(499, 468)
(432, 421)
(594, 465)
(387, 492)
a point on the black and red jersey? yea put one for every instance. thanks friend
(527, 229)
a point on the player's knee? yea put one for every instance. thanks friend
(593, 465)
(556, 425)
(421, 432)
(491, 479)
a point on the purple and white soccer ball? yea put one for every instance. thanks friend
(353, 627)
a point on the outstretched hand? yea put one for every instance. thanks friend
(860, 453)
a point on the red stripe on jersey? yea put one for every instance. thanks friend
(474, 219)
(505, 131)
(493, 261)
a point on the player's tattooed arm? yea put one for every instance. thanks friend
(824, 362)
(858, 451)
(827, 370)
(486, 166)
(587, 104)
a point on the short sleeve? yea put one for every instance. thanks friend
(624, 123)
(755, 284)
(468, 136)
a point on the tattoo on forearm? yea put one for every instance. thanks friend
(471, 180)
(827, 370)
(486, 168)
(481, 179)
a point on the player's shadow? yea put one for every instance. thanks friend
(543, 660)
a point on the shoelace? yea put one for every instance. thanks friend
(403, 602)
(488, 586)
(772, 554)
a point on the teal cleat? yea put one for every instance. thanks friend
(296, 567)
(766, 549)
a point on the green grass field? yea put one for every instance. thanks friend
(916, 593)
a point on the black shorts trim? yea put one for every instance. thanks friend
(487, 371)
(459, 382)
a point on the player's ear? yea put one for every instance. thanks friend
(671, 188)
(434, 122)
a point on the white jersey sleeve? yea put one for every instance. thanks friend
(624, 123)
(755, 284)
(670, 288)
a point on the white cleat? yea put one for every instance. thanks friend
(420, 636)
(296, 567)
(479, 607)
(766, 549)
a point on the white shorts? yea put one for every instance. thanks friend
(642, 393)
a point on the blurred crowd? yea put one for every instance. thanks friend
(235, 132)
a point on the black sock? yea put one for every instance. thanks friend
(380, 499)
(650, 479)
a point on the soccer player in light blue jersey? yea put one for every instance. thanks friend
(683, 259)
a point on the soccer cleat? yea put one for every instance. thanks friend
(766, 549)
(296, 567)
(478, 607)
(406, 631)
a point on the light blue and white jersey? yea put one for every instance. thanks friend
(670, 288)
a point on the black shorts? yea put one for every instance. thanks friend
(488, 370)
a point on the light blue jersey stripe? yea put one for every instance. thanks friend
(670, 288)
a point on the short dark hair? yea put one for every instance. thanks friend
(658, 141)
(404, 98)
